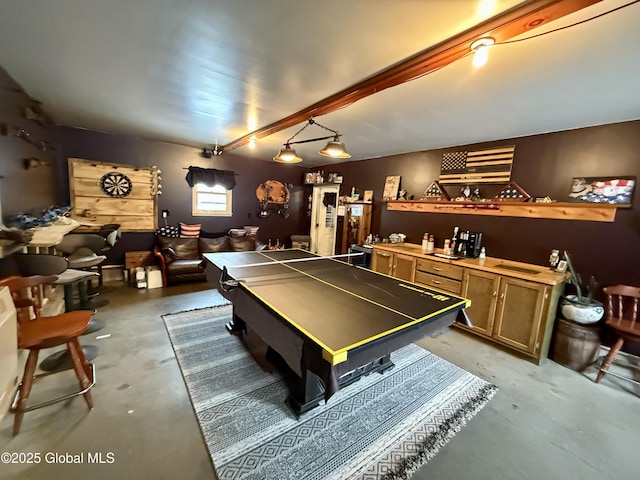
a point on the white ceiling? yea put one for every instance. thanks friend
(195, 71)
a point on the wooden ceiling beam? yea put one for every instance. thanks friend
(502, 27)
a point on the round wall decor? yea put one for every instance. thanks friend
(115, 184)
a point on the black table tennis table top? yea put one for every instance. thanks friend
(335, 304)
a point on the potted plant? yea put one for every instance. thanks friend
(578, 307)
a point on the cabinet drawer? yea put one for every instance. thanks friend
(440, 268)
(438, 282)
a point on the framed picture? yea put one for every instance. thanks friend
(391, 187)
(367, 196)
(612, 190)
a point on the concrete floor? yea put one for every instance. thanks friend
(546, 422)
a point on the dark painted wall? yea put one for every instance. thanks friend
(21, 190)
(172, 160)
(543, 165)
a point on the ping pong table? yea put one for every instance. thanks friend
(330, 321)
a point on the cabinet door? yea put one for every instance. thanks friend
(404, 267)
(520, 308)
(381, 262)
(482, 289)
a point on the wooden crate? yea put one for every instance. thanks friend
(133, 260)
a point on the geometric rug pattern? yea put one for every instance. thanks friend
(384, 426)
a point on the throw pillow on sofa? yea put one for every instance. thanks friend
(190, 231)
(169, 231)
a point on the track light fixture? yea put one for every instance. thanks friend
(480, 49)
(333, 149)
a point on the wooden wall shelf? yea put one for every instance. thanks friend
(556, 210)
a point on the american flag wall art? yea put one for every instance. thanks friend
(492, 165)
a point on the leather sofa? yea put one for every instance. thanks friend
(181, 260)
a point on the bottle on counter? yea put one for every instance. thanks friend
(430, 244)
(447, 248)
(425, 243)
(454, 241)
(483, 254)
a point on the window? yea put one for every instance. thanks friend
(210, 201)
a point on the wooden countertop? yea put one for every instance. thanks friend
(524, 271)
(52, 234)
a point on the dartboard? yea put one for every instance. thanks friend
(115, 184)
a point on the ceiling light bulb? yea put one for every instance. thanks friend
(287, 155)
(335, 149)
(481, 51)
(480, 57)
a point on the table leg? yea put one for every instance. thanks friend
(236, 326)
(306, 393)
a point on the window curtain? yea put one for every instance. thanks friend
(211, 177)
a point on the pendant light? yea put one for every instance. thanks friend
(287, 155)
(333, 149)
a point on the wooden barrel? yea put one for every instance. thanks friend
(576, 346)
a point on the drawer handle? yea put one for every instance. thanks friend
(435, 282)
(437, 269)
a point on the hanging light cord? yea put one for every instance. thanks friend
(504, 43)
(356, 92)
(470, 52)
(311, 121)
(571, 25)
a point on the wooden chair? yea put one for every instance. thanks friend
(622, 317)
(36, 332)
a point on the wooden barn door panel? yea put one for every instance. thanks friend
(136, 211)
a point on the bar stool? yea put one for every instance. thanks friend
(30, 264)
(40, 332)
(81, 249)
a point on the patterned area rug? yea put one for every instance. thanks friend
(383, 426)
